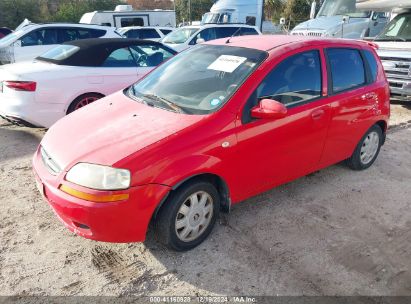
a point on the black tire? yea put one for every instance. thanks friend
(74, 105)
(355, 162)
(165, 223)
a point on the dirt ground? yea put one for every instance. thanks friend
(335, 232)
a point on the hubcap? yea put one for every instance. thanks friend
(194, 216)
(369, 147)
(85, 101)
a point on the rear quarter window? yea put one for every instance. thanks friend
(372, 63)
(347, 69)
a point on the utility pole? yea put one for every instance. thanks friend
(189, 11)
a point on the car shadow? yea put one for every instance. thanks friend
(285, 241)
(16, 142)
(404, 104)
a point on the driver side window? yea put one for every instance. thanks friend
(120, 58)
(295, 80)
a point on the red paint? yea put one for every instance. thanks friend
(162, 148)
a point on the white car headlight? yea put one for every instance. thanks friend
(99, 177)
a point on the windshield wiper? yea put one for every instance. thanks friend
(169, 103)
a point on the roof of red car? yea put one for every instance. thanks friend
(268, 42)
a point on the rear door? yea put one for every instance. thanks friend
(274, 151)
(352, 101)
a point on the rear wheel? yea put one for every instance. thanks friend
(188, 216)
(83, 101)
(367, 149)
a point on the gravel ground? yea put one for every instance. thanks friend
(334, 232)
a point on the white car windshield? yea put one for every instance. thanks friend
(5, 41)
(180, 36)
(198, 81)
(340, 8)
(399, 29)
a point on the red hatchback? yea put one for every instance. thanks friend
(209, 128)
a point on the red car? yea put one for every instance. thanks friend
(209, 128)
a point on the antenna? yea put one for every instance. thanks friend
(235, 33)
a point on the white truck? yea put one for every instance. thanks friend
(248, 12)
(395, 44)
(125, 16)
(341, 19)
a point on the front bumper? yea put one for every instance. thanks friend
(400, 89)
(118, 222)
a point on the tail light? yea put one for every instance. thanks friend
(29, 86)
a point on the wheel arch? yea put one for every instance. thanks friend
(384, 126)
(214, 179)
(81, 95)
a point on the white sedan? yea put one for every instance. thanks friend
(72, 75)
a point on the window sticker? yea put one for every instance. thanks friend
(226, 63)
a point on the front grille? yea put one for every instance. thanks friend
(49, 163)
(397, 67)
(308, 33)
(396, 85)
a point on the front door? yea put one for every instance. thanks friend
(272, 152)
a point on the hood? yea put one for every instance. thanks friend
(325, 23)
(403, 48)
(111, 129)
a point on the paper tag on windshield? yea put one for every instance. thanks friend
(226, 63)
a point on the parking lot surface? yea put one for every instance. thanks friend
(334, 232)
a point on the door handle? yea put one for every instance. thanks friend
(317, 114)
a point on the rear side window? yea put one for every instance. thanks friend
(120, 58)
(296, 79)
(372, 63)
(248, 31)
(165, 32)
(93, 33)
(149, 34)
(132, 34)
(347, 69)
(223, 32)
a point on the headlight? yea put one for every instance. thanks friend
(99, 177)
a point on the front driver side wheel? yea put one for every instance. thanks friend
(367, 149)
(188, 216)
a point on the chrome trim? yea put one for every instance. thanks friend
(49, 163)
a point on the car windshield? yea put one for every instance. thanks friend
(180, 36)
(341, 8)
(58, 53)
(399, 29)
(8, 39)
(198, 81)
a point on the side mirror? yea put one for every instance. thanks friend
(269, 109)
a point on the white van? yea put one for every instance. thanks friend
(125, 16)
(31, 40)
(187, 36)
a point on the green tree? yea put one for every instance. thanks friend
(197, 8)
(273, 10)
(296, 11)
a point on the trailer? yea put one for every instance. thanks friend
(248, 12)
(125, 16)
